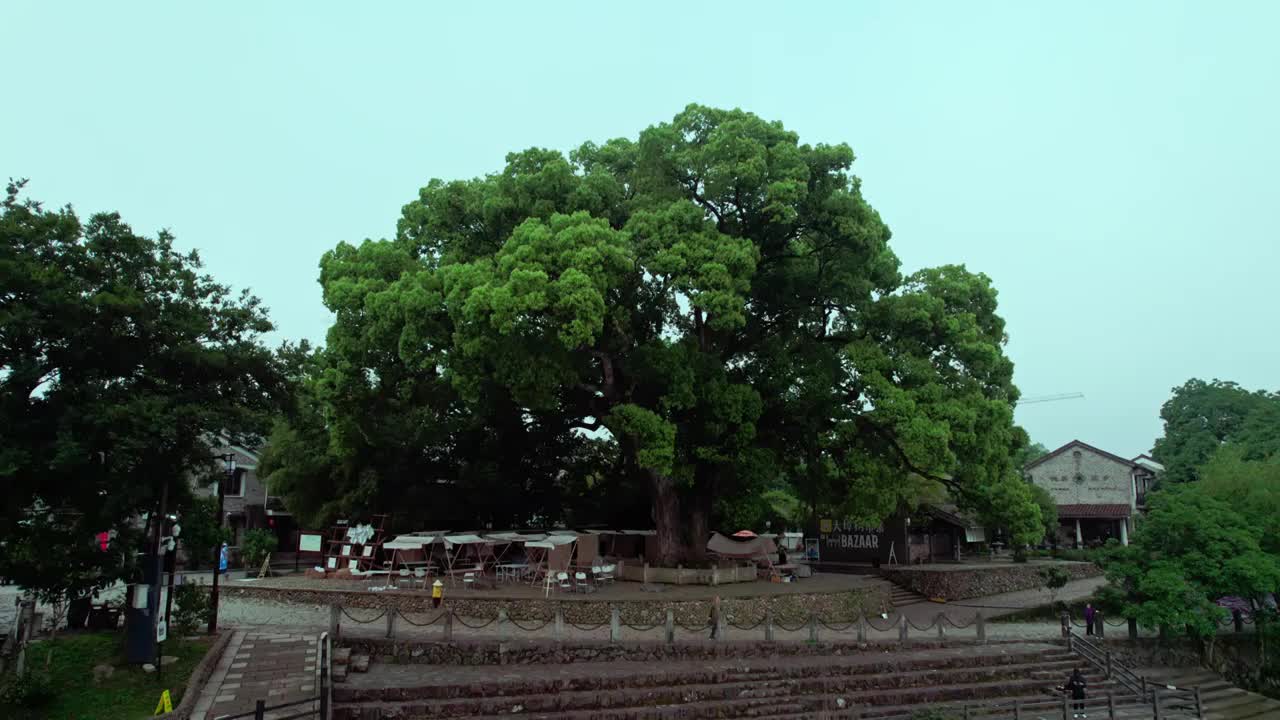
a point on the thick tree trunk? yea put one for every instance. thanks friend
(698, 511)
(666, 519)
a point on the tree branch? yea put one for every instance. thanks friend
(892, 441)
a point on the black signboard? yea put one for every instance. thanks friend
(842, 540)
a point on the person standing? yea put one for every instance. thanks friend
(1089, 615)
(1076, 686)
(222, 560)
(715, 617)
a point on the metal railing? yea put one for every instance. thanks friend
(1165, 700)
(320, 703)
(1111, 707)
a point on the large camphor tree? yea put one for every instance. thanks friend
(715, 295)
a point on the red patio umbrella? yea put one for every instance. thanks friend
(744, 534)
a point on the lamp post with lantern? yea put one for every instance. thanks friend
(229, 464)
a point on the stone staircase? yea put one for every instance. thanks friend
(870, 683)
(899, 596)
(1221, 700)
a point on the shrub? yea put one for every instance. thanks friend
(193, 608)
(28, 690)
(255, 547)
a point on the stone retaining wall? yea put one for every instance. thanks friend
(845, 606)
(969, 583)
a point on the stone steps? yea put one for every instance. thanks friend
(744, 698)
(737, 688)
(900, 596)
(423, 684)
(872, 683)
(1220, 699)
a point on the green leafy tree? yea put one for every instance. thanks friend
(1048, 511)
(1204, 416)
(717, 296)
(1054, 579)
(119, 361)
(201, 531)
(1252, 487)
(1190, 550)
(1029, 454)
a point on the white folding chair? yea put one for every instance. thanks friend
(548, 582)
(606, 573)
(469, 580)
(404, 578)
(583, 585)
(562, 578)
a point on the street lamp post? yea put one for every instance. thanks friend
(229, 461)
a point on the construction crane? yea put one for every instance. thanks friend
(1050, 398)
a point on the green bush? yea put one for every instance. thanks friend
(28, 690)
(255, 547)
(192, 608)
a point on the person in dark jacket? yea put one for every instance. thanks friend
(1089, 614)
(1076, 686)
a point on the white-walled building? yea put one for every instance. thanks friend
(1098, 494)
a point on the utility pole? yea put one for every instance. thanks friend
(229, 461)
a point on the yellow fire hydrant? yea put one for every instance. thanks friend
(437, 593)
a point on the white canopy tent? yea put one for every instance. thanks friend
(551, 554)
(503, 542)
(456, 545)
(412, 547)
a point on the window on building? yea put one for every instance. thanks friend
(235, 484)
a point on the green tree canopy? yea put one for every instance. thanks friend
(119, 361)
(1190, 550)
(716, 295)
(1203, 416)
(1251, 487)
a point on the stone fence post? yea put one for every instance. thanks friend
(671, 626)
(982, 627)
(768, 624)
(902, 631)
(335, 621)
(615, 625)
(504, 626)
(391, 623)
(1066, 624)
(559, 620)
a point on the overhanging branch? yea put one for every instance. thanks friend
(887, 436)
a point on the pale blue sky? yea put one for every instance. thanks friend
(1111, 165)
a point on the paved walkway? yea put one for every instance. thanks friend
(257, 665)
(992, 606)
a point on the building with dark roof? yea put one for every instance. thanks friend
(1098, 494)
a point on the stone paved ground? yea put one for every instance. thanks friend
(277, 667)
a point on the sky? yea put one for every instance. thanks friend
(1111, 166)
